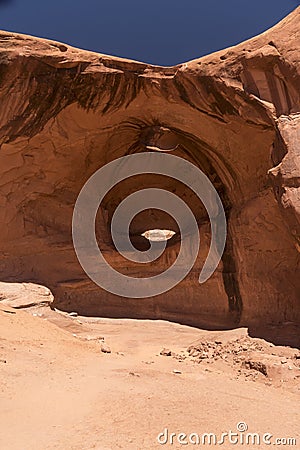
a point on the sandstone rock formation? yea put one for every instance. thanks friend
(64, 113)
(24, 295)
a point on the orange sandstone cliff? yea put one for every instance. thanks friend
(235, 114)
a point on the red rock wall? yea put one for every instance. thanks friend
(64, 113)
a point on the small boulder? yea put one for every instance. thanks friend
(105, 348)
(166, 352)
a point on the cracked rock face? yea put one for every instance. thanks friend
(64, 113)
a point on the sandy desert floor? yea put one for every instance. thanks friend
(60, 389)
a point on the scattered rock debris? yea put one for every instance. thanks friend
(250, 358)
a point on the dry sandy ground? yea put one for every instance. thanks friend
(58, 390)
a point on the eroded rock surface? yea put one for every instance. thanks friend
(235, 114)
(24, 295)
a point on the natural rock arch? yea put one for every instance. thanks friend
(235, 114)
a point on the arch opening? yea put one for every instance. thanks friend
(158, 235)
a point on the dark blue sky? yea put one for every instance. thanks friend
(164, 32)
